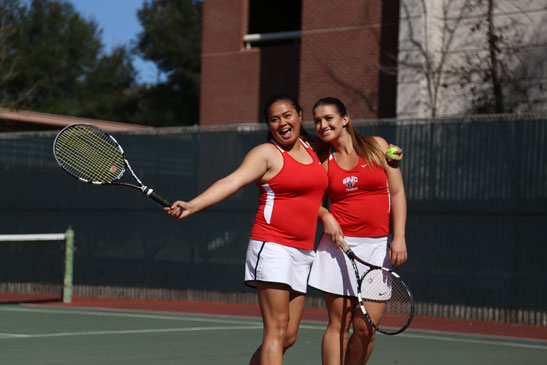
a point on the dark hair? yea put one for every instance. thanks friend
(279, 97)
(340, 107)
(365, 146)
(283, 97)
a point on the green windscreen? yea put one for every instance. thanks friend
(475, 189)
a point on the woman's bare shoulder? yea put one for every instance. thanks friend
(263, 151)
(381, 142)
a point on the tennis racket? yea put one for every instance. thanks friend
(93, 156)
(383, 296)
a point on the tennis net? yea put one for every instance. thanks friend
(36, 267)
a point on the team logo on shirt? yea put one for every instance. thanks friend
(349, 182)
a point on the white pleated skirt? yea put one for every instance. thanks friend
(332, 271)
(275, 263)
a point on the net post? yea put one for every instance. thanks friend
(69, 260)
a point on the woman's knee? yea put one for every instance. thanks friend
(290, 339)
(336, 332)
(290, 336)
(277, 327)
(363, 329)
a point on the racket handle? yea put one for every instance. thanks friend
(158, 198)
(345, 247)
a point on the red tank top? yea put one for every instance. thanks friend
(360, 199)
(289, 203)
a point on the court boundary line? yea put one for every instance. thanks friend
(216, 315)
(118, 332)
(118, 313)
(470, 334)
(203, 317)
(435, 335)
(451, 338)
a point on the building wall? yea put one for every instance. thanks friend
(383, 58)
(339, 54)
(229, 72)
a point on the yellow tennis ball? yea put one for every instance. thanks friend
(390, 153)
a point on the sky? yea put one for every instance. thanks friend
(119, 23)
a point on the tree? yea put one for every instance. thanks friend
(472, 56)
(9, 31)
(507, 77)
(107, 90)
(52, 60)
(493, 50)
(55, 48)
(172, 39)
(59, 65)
(432, 44)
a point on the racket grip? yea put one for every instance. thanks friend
(158, 198)
(344, 246)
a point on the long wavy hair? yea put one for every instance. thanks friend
(365, 146)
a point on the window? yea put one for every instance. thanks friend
(274, 28)
(272, 16)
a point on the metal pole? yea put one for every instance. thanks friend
(69, 261)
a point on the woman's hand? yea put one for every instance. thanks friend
(179, 209)
(397, 252)
(331, 228)
(398, 155)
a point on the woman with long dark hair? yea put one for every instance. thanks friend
(368, 208)
(291, 185)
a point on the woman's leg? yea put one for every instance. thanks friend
(361, 343)
(296, 310)
(335, 339)
(281, 310)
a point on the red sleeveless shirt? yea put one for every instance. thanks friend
(289, 203)
(360, 199)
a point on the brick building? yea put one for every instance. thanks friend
(306, 48)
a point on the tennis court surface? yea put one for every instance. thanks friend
(115, 331)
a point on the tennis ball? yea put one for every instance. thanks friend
(390, 153)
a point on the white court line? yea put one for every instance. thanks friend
(119, 332)
(9, 335)
(480, 342)
(477, 335)
(103, 312)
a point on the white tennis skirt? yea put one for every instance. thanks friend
(332, 271)
(275, 263)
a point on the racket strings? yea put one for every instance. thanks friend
(77, 156)
(89, 154)
(387, 300)
(86, 161)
